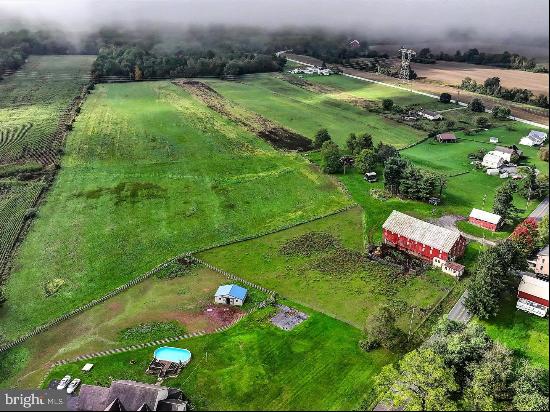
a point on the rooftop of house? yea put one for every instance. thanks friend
(420, 231)
(509, 150)
(126, 395)
(446, 136)
(234, 291)
(485, 216)
(543, 251)
(457, 267)
(534, 287)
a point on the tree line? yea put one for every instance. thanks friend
(461, 368)
(474, 56)
(137, 63)
(492, 87)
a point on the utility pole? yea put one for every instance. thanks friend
(405, 69)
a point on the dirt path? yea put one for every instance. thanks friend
(433, 88)
(280, 137)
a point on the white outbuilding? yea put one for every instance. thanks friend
(230, 295)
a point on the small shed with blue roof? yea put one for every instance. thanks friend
(230, 295)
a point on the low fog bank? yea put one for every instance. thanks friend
(442, 25)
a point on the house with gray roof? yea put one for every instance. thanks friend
(534, 138)
(128, 396)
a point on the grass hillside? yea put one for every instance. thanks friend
(306, 112)
(150, 173)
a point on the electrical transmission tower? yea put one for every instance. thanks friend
(406, 56)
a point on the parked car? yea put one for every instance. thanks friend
(73, 385)
(63, 382)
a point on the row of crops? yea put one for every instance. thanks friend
(16, 204)
(38, 95)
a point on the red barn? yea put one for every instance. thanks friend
(533, 295)
(422, 239)
(485, 219)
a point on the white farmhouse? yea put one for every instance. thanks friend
(492, 161)
(230, 295)
(430, 115)
(534, 138)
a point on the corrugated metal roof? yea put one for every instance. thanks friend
(426, 233)
(533, 286)
(485, 216)
(232, 290)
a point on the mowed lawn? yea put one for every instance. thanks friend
(306, 112)
(256, 366)
(183, 300)
(375, 92)
(150, 173)
(522, 332)
(347, 289)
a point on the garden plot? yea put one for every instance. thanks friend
(16, 201)
(33, 100)
(150, 173)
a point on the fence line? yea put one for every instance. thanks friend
(139, 279)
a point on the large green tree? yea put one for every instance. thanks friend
(492, 379)
(382, 329)
(330, 158)
(503, 205)
(493, 276)
(366, 160)
(531, 388)
(321, 136)
(394, 169)
(422, 382)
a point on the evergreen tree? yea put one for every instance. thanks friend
(321, 137)
(365, 161)
(503, 204)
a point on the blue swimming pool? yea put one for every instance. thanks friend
(167, 353)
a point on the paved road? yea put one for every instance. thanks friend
(541, 210)
(459, 313)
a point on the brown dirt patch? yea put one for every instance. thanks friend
(278, 136)
(222, 314)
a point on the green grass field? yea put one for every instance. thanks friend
(351, 291)
(306, 112)
(375, 92)
(254, 365)
(150, 173)
(522, 332)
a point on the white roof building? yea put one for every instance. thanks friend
(534, 138)
(533, 295)
(492, 160)
(485, 216)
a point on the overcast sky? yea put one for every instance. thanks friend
(421, 19)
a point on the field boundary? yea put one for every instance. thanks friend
(141, 278)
